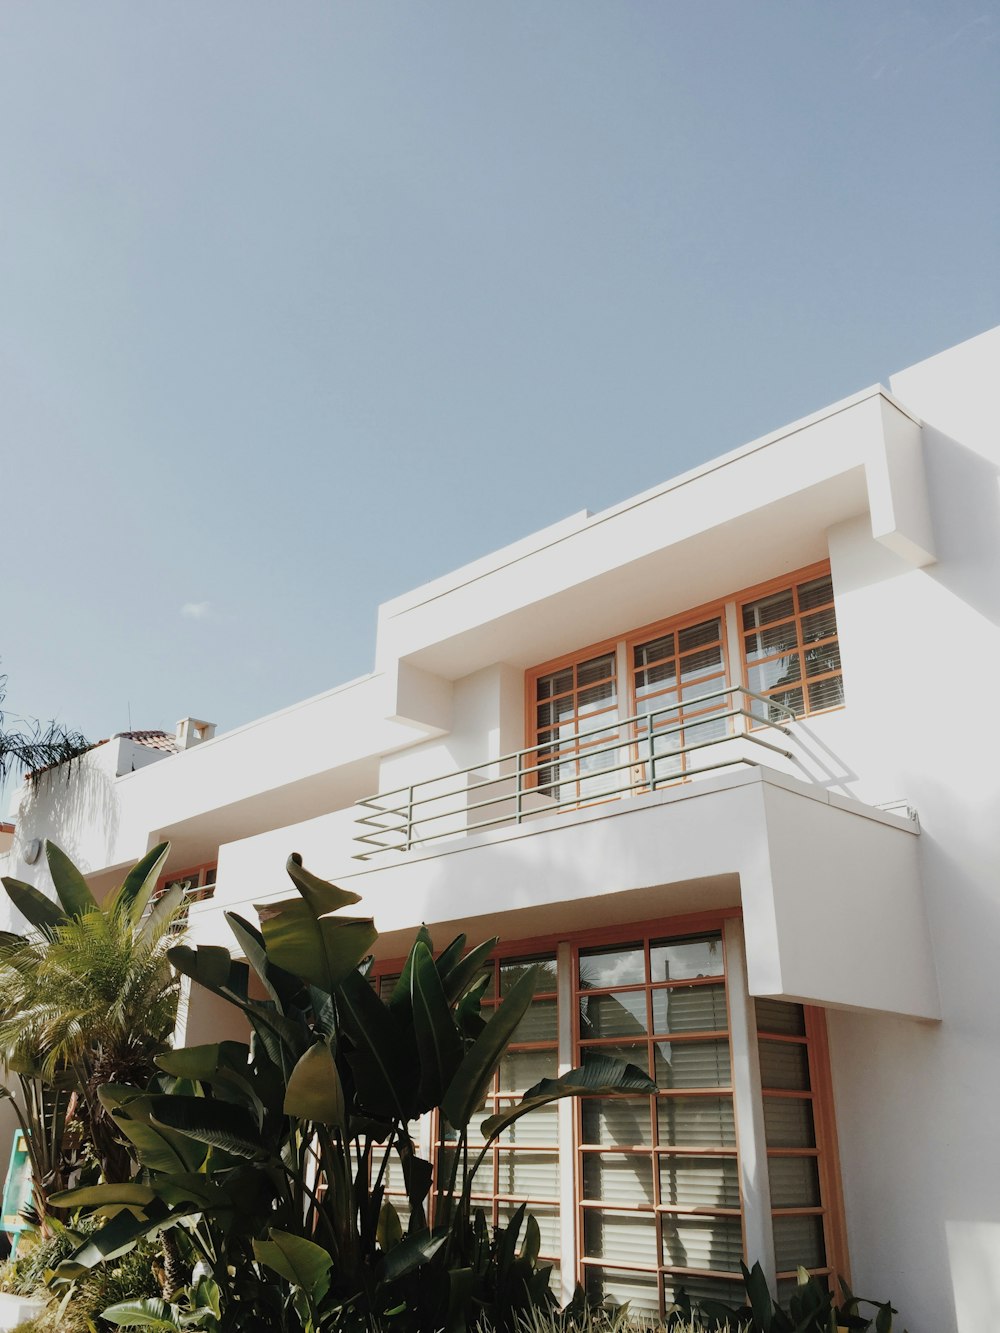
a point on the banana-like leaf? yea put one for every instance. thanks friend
(203, 1063)
(389, 1231)
(120, 1234)
(211, 966)
(157, 1148)
(411, 1253)
(320, 894)
(468, 1087)
(399, 1000)
(220, 1125)
(465, 973)
(384, 1064)
(314, 1090)
(322, 949)
(438, 1041)
(41, 912)
(164, 909)
(72, 889)
(300, 1261)
(449, 955)
(152, 1312)
(282, 986)
(603, 1076)
(130, 1193)
(137, 889)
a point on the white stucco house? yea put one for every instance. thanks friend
(691, 753)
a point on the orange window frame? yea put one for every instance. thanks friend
(202, 888)
(791, 582)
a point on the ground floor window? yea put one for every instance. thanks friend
(637, 1197)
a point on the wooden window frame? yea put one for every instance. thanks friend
(566, 947)
(735, 668)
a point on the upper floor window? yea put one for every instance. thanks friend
(778, 641)
(790, 647)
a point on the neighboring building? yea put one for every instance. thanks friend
(693, 753)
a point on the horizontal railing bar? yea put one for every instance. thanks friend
(568, 755)
(639, 718)
(554, 808)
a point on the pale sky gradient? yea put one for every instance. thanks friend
(303, 304)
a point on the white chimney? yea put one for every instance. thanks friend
(192, 730)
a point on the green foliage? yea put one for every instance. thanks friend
(232, 1140)
(70, 994)
(812, 1308)
(34, 746)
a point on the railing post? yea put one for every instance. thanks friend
(652, 756)
(519, 787)
(409, 818)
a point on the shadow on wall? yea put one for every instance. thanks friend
(965, 505)
(77, 809)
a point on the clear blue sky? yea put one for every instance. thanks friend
(304, 304)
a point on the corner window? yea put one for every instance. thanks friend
(791, 651)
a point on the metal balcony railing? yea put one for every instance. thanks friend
(621, 758)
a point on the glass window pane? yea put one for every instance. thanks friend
(639, 1291)
(620, 1122)
(686, 959)
(628, 1237)
(794, 1182)
(699, 1182)
(539, 1127)
(689, 1009)
(600, 968)
(520, 1070)
(822, 625)
(653, 651)
(798, 1241)
(714, 1289)
(633, 1055)
(696, 1122)
(780, 1016)
(702, 1242)
(618, 1178)
(529, 1175)
(695, 636)
(619, 1015)
(779, 606)
(817, 592)
(595, 669)
(784, 1064)
(826, 694)
(691, 1064)
(539, 1022)
(821, 660)
(511, 972)
(788, 1122)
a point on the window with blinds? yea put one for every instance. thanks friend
(794, 1142)
(660, 1203)
(676, 682)
(522, 1166)
(576, 728)
(791, 651)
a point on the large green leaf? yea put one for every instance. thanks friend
(438, 1042)
(459, 978)
(221, 1125)
(282, 986)
(157, 1148)
(137, 889)
(603, 1076)
(163, 911)
(300, 1261)
(41, 912)
(323, 949)
(211, 966)
(129, 1193)
(203, 1063)
(314, 1090)
(320, 894)
(72, 889)
(399, 1000)
(119, 1235)
(152, 1312)
(468, 1087)
(384, 1064)
(411, 1253)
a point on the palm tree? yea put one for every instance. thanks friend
(35, 745)
(86, 998)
